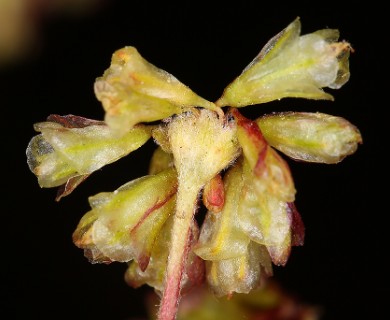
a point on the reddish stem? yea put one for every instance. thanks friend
(180, 242)
(170, 301)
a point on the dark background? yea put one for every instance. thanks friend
(205, 46)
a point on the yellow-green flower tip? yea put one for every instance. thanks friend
(291, 65)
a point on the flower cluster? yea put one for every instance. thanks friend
(206, 153)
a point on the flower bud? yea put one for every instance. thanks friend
(310, 137)
(214, 194)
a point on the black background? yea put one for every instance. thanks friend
(205, 45)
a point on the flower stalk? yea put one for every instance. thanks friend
(180, 237)
(198, 160)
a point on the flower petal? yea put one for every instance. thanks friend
(51, 168)
(265, 218)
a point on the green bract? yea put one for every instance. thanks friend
(204, 155)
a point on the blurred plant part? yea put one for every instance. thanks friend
(269, 302)
(205, 157)
(21, 22)
(17, 31)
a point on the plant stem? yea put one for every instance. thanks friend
(185, 209)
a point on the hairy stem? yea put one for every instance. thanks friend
(185, 209)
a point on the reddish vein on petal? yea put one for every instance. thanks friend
(143, 260)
